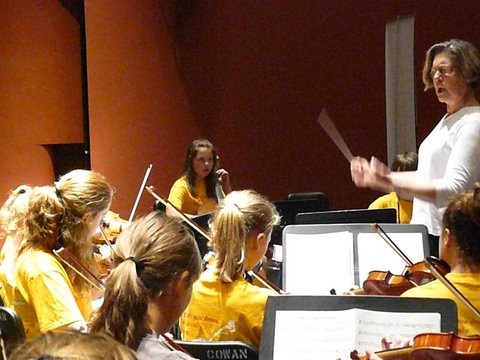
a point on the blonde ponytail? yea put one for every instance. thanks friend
(239, 214)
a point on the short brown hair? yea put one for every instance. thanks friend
(464, 56)
(407, 161)
(462, 217)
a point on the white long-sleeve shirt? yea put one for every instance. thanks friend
(450, 157)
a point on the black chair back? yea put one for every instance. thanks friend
(11, 328)
(315, 195)
(212, 350)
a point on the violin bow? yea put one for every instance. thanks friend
(265, 282)
(152, 191)
(378, 229)
(174, 346)
(107, 241)
(140, 191)
(452, 288)
(97, 284)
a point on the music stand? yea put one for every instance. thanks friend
(288, 209)
(350, 216)
(202, 221)
(392, 313)
(351, 249)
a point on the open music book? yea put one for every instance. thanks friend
(330, 327)
(333, 334)
(340, 256)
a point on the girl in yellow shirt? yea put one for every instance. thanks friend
(197, 192)
(224, 306)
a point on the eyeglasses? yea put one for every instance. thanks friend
(442, 70)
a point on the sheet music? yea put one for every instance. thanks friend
(330, 335)
(308, 256)
(375, 254)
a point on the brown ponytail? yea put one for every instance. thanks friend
(151, 252)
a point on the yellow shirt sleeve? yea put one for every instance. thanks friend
(44, 296)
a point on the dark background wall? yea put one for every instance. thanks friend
(252, 76)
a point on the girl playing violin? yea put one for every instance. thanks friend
(459, 246)
(47, 295)
(194, 193)
(157, 263)
(224, 306)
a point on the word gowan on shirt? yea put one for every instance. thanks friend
(221, 354)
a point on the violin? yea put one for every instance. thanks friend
(108, 231)
(112, 225)
(443, 346)
(386, 283)
(426, 346)
(414, 274)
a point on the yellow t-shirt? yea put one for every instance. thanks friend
(7, 258)
(391, 201)
(43, 294)
(214, 304)
(468, 285)
(181, 197)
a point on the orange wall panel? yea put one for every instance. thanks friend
(139, 111)
(40, 100)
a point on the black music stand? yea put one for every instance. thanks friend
(288, 209)
(350, 216)
(200, 220)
